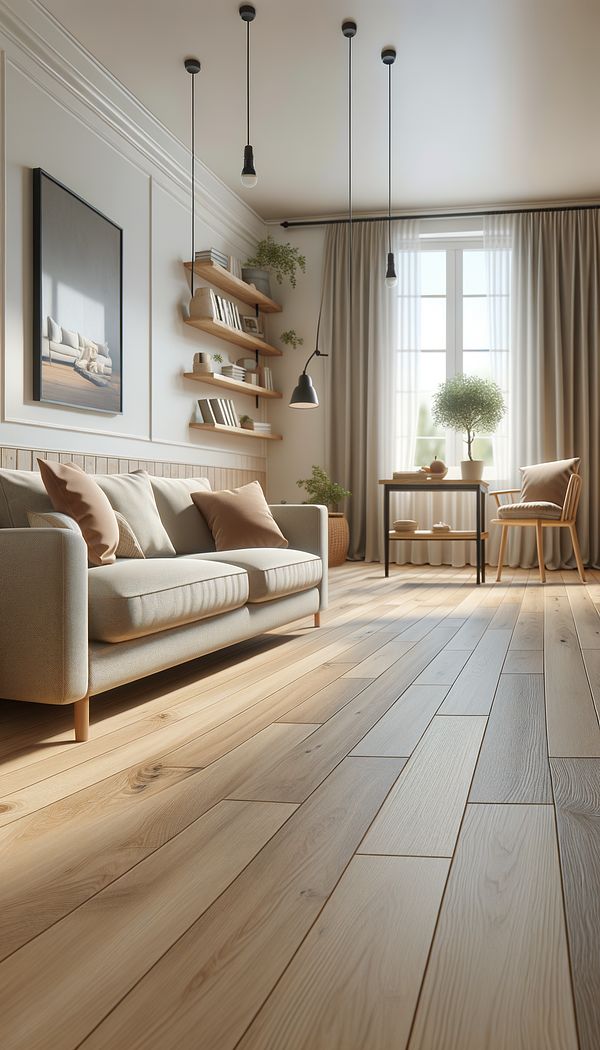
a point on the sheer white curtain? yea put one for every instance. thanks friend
(498, 242)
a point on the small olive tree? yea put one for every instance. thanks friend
(321, 489)
(468, 403)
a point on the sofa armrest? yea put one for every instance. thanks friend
(43, 616)
(305, 527)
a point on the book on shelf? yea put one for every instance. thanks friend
(213, 255)
(215, 404)
(235, 266)
(206, 411)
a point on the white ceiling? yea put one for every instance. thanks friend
(494, 100)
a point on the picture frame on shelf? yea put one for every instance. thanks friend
(252, 326)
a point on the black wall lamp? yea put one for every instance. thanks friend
(305, 395)
(248, 14)
(192, 66)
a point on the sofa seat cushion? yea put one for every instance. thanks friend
(272, 572)
(531, 509)
(131, 599)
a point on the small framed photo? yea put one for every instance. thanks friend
(252, 326)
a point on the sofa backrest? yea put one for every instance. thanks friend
(20, 491)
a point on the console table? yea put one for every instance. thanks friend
(479, 535)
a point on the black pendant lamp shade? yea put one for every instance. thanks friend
(248, 14)
(388, 57)
(304, 394)
(192, 66)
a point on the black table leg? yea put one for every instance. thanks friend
(478, 531)
(386, 528)
(483, 498)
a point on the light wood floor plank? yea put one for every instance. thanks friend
(401, 728)
(360, 967)
(214, 980)
(498, 976)
(573, 730)
(327, 702)
(529, 628)
(585, 614)
(473, 690)
(471, 633)
(422, 815)
(158, 900)
(577, 796)
(445, 668)
(523, 661)
(513, 762)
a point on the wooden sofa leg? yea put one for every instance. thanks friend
(317, 619)
(81, 718)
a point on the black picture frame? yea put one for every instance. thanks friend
(78, 286)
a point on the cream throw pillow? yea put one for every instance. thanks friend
(239, 518)
(132, 496)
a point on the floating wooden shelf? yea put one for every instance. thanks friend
(428, 534)
(233, 335)
(234, 286)
(219, 428)
(237, 386)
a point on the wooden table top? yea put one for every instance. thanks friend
(442, 482)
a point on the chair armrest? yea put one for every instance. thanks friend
(305, 527)
(43, 616)
(503, 492)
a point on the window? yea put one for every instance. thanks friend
(452, 317)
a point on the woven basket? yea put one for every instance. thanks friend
(339, 539)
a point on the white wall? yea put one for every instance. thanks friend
(303, 430)
(63, 112)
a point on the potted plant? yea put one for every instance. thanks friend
(291, 338)
(321, 489)
(246, 422)
(271, 257)
(216, 362)
(473, 405)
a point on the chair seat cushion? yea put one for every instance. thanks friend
(272, 572)
(531, 509)
(131, 599)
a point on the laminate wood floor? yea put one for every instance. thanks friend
(383, 834)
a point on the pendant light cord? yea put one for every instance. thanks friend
(247, 83)
(193, 165)
(350, 246)
(389, 158)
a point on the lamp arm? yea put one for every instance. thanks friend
(315, 353)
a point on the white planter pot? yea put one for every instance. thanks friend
(471, 469)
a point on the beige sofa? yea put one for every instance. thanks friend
(68, 632)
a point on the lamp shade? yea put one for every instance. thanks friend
(304, 395)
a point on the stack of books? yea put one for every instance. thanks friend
(218, 411)
(207, 303)
(266, 377)
(234, 372)
(261, 428)
(213, 255)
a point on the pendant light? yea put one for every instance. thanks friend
(192, 66)
(248, 14)
(388, 57)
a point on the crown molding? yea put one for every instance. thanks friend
(46, 52)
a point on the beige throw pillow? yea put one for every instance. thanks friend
(132, 496)
(128, 543)
(239, 518)
(75, 493)
(548, 481)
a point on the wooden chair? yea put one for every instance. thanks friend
(566, 521)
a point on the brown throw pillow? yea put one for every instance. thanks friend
(239, 518)
(75, 493)
(548, 481)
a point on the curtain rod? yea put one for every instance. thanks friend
(290, 223)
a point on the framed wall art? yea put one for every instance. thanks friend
(77, 301)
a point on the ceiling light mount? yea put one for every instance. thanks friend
(388, 56)
(249, 179)
(192, 65)
(349, 28)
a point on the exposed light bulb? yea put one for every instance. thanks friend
(249, 177)
(390, 273)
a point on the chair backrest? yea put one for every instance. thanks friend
(569, 511)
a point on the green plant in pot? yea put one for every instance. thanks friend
(473, 405)
(291, 338)
(322, 490)
(282, 261)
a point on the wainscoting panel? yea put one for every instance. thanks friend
(219, 477)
